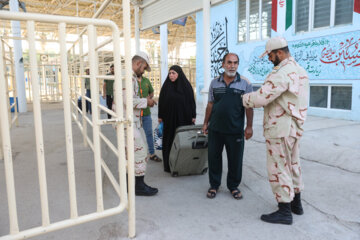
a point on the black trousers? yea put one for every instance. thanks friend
(109, 102)
(234, 145)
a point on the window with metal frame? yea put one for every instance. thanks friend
(254, 20)
(331, 97)
(314, 14)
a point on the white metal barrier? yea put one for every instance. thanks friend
(9, 75)
(127, 200)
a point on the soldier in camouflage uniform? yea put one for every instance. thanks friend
(140, 63)
(284, 96)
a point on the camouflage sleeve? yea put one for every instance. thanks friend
(273, 87)
(139, 103)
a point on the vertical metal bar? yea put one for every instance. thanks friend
(57, 84)
(120, 113)
(311, 15)
(164, 51)
(260, 20)
(332, 13)
(14, 87)
(95, 116)
(38, 124)
(70, 69)
(207, 50)
(74, 78)
(137, 29)
(247, 20)
(328, 105)
(129, 116)
(52, 92)
(97, 63)
(6, 146)
(67, 116)
(6, 82)
(44, 82)
(29, 85)
(83, 103)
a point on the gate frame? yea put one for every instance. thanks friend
(127, 200)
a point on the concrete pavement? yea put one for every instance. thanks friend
(330, 157)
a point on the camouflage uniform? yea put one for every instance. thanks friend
(284, 96)
(140, 148)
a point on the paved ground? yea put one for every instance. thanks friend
(330, 157)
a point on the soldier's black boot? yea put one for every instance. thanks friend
(296, 206)
(141, 189)
(283, 215)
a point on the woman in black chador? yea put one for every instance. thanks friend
(176, 108)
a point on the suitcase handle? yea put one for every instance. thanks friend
(199, 144)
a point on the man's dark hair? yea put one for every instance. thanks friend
(112, 65)
(224, 58)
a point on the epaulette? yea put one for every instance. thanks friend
(275, 69)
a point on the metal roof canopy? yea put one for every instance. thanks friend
(157, 12)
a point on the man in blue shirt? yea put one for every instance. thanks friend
(224, 122)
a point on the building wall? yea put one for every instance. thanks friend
(331, 56)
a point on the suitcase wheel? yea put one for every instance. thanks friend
(204, 171)
(174, 174)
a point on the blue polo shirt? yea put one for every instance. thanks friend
(228, 113)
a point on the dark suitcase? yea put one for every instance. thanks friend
(189, 152)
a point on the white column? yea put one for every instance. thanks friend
(137, 29)
(19, 65)
(207, 54)
(163, 52)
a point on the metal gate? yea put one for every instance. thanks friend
(125, 163)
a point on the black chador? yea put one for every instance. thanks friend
(176, 108)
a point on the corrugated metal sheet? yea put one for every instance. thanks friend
(163, 11)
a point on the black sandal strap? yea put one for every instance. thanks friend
(211, 193)
(236, 193)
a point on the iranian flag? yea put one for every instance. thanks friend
(281, 15)
(357, 6)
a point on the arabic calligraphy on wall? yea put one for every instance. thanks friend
(333, 57)
(346, 54)
(219, 46)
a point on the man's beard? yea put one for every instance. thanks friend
(276, 61)
(230, 74)
(138, 73)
